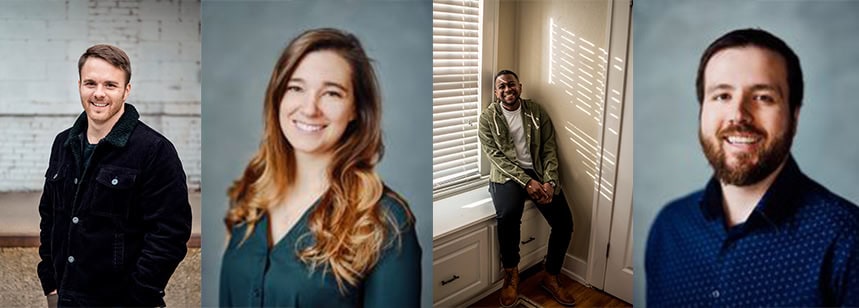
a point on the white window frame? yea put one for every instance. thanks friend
(487, 27)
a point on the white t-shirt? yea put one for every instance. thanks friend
(514, 125)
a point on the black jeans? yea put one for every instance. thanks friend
(509, 200)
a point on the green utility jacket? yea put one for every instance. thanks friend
(498, 145)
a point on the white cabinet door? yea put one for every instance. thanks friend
(461, 267)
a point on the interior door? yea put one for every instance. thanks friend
(618, 272)
(610, 256)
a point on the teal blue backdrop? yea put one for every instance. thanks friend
(669, 37)
(241, 43)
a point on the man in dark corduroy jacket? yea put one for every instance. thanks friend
(115, 211)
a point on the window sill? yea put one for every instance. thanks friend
(461, 211)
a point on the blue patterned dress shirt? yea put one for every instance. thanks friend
(799, 247)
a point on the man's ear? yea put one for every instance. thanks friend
(127, 91)
(795, 119)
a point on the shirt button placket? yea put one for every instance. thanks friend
(257, 296)
(725, 257)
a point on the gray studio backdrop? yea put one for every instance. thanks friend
(669, 39)
(241, 43)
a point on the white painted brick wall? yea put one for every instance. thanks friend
(40, 43)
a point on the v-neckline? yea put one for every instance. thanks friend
(270, 238)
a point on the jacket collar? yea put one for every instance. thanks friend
(119, 134)
(523, 105)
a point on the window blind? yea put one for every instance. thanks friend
(455, 79)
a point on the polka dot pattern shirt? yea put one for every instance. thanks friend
(799, 247)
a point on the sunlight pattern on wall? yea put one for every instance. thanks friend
(579, 67)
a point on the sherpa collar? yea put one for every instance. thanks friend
(118, 135)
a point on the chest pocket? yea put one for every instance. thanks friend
(502, 135)
(113, 191)
(55, 186)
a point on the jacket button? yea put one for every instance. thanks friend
(75, 220)
(76, 181)
(55, 175)
(71, 259)
(114, 182)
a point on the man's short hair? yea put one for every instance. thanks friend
(762, 39)
(505, 72)
(109, 53)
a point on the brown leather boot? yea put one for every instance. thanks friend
(510, 290)
(552, 284)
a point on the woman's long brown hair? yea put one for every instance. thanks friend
(347, 224)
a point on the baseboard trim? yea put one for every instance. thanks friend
(13, 240)
(576, 268)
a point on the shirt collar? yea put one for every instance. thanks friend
(778, 203)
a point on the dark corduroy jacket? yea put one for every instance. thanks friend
(113, 233)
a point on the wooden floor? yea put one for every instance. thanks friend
(529, 286)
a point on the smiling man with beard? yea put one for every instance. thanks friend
(761, 233)
(114, 209)
(518, 138)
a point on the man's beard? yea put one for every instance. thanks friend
(505, 103)
(746, 172)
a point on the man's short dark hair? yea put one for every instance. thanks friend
(762, 39)
(505, 72)
(109, 53)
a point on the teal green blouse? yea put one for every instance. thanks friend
(252, 275)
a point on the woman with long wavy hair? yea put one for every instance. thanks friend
(310, 221)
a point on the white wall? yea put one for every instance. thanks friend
(40, 43)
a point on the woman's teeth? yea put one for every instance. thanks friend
(308, 127)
